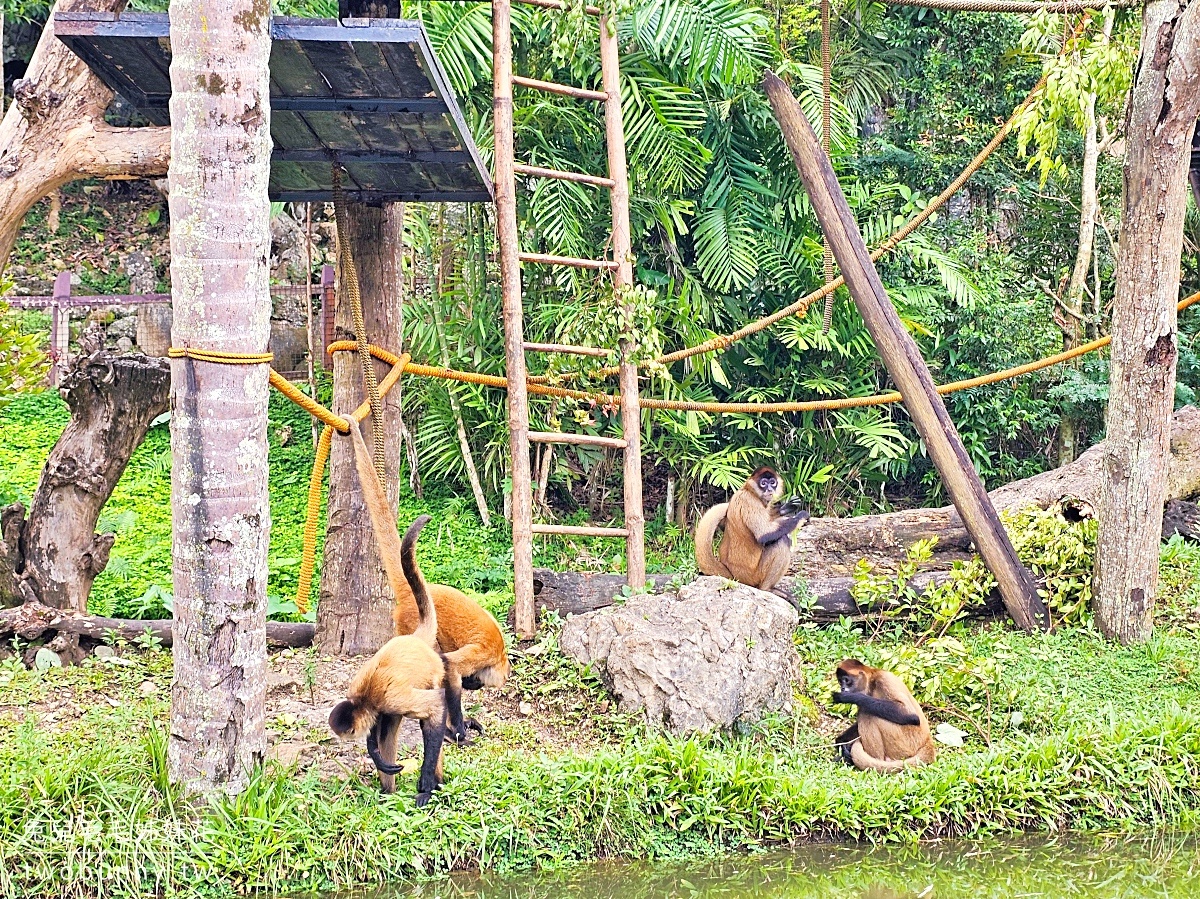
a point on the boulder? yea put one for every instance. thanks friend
(713, 654)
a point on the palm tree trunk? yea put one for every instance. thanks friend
(1163, 108)
(220, 244)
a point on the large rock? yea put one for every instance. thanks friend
(704, 658)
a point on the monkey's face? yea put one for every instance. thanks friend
(849, 682)
(768, 485)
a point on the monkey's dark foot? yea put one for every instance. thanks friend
(844, 752)
(474, 725)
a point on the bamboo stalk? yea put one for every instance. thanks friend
(577, 439)
(570, 530)
(569, 349)
(548, 259)
(514, 327)
(631, 414)
(563, 90)
(538, 171)
(903, 361)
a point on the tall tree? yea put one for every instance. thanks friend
(354, 612)
(220, 245)
(1162, 113)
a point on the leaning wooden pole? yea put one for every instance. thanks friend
(903, 361)
(514, 326)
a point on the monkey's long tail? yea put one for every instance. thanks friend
(427, 629)
(706, 532)
(867, 762)
(383, 523)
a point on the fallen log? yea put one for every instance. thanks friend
(823, 600)
(832, 546)
(34, 621)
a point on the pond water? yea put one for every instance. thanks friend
(1164, 866)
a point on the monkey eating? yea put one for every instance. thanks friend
(891, 732)
(467, 635)
(406, 678)
(757, 547)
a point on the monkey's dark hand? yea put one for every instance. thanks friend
(792, 506)
(846, 697)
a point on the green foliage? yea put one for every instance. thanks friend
(23, 366)
(1085, 81)
(1060, 553)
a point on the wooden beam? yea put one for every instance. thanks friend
(563, 90)
(505, 185)
(903, 361)
(570, 530)
(622, 251)
(577, 439)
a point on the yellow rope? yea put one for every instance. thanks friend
(308, 556)
(370, 382)
(219, 356)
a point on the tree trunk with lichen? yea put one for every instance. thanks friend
(354, 614)
(220, 246)
(54, 131)
(1162, 114)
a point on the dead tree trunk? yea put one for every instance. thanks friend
(112, 400)
(54, 132)
(1162, 115)
(354, 615)
(828, 547)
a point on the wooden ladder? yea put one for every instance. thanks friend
(511, 259)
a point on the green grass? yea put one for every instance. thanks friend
(1111, 740)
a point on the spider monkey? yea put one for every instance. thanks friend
(406, 678)
(467, 635)
(757, 547)
(891, 732)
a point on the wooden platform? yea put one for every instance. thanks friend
(368, 93)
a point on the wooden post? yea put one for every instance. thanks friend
(60, 327)
(904, 363)
(631, 413)
(514, 326)
(328, 314)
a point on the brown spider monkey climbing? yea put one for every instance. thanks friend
(406, 678)
(467, 634)
(757, 547)
(891, 732)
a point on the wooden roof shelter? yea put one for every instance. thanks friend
(367, 93)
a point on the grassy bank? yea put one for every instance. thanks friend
(1093, 737)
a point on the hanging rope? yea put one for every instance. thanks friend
(308, 555)
(826, 124)
(346, 258)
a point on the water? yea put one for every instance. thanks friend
(1164, 867)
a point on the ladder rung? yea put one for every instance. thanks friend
(580, 439)
(545, 259)
(569, 530)
(556, 4)
(568, 349)
(565, 90)
(578, 177)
